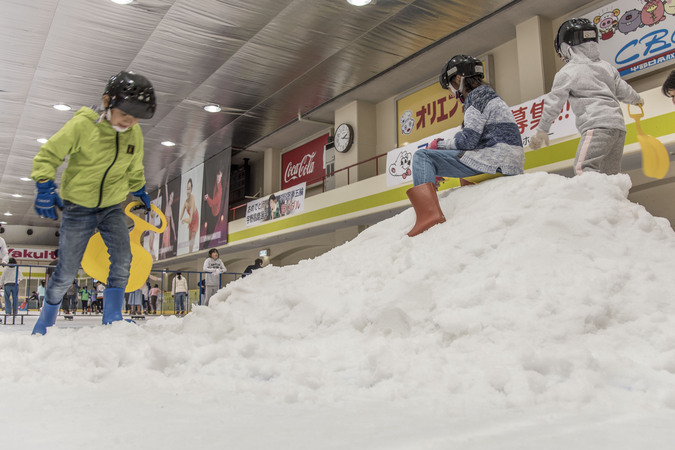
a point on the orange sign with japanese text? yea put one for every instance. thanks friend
(428, 111)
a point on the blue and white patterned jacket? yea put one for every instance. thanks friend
(490, 138)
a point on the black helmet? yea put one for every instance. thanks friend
(466, 66)
(574, 32)
(132, 93)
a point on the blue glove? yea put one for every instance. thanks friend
(143, 196)
(47, 199)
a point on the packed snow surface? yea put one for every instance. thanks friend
(541, 315)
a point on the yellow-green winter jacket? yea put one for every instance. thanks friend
(103, 165)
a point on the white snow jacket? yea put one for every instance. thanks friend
(594, 89)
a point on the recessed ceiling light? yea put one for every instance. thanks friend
(62, 107)
(358, 2)
(3, 223)
(42, 140)
(122, 2)
(8, 213)
(16, 195)
(25, 179)
(212, 108)
(168, 143)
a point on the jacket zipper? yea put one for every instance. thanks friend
(117, 151)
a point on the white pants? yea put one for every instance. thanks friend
(208, 293)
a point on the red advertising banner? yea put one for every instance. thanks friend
(303, 164)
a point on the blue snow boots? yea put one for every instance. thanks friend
(113, 299)
(47, 318)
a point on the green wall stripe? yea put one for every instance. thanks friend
(563, 151)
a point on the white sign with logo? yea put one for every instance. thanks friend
(280, 204)
(32, 254)
(636, 35)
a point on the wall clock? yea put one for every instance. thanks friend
(344, 137)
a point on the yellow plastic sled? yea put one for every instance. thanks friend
(96, 260)
(655, 159)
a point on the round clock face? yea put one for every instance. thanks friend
(344, 137)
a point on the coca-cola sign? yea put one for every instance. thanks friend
(303, 164)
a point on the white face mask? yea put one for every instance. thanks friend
(116, 128)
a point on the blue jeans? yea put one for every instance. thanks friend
(11, 290)
(428, 164)
(179, 300)
(78, 224)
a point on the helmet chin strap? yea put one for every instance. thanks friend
(459, 91)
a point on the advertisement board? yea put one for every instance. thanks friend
(636, 35)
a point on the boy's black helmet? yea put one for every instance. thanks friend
(574, 32)
(466, 66)
(132, 93)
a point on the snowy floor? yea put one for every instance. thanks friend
(541, 315)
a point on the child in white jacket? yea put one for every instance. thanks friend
(9, 280)
(594, 89)
(179, 290)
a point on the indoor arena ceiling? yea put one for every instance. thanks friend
(265, 62)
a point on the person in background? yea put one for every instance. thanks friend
(84, 299)
(489, 141)
(669, 86)
(136, 301)
(179, 290)
(70, 302)
(98, 304)
(49, 271)
(213, 266)
(104, 150)
(154, 294)
(33, 298)
(9, 280)
(594, 89)
(145, 290)
(4, 253)
(41, 293)
(257, 264)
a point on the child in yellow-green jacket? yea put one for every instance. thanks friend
(105, 163)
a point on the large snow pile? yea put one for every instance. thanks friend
(540, 293)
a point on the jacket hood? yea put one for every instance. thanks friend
(586, 52)
(87, 112)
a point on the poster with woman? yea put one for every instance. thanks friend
(190, 210)
(170, 204)
(150, 238)
(215, 201)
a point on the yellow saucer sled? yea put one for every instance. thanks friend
(96, 260)
(655, 159)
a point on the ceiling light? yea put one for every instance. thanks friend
(16, 195)
(358, 2)
(168, 143)
(25, 179)
(212, 108)
(42, 140)
(122, 2)
(62, 107)
(3, 223)
(8, 213)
